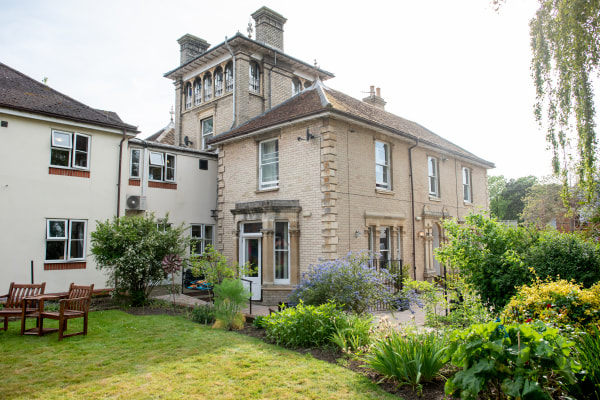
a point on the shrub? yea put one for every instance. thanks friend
(131, 249)
(230, 297)
(411, 359)
(204, 314)
(303, 325)
(558, 302)
(588, 349)
(349, 282)
(527, 361)
(259, 322)
(214, 267)
(352, 333)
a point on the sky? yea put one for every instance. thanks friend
(458, 68)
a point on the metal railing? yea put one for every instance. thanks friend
(393, 282)
(250, 299)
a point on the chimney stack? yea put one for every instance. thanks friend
(374, 98)
(191, 47)
(269, 27)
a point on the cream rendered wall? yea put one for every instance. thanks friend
(29, 195)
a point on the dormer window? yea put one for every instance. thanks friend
(197, 91)
(207, 87)
(229, 77)
(218, 82)
(188, 95)
(254, 77)
(296, 86)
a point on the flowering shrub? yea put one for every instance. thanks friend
(560, 302)
(349, 282)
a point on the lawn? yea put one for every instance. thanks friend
(166, 357)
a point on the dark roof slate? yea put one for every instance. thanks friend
(20, 92)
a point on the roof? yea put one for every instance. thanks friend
(166, 135)
(318, 99)
(20, 92)
(221, 49)
(165, 146)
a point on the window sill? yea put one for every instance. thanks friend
(275, 189)
(434, 198)
(80, 173)
(386, 192)
(162, 185)
(62, 265)
(468, 203)
(134, 181)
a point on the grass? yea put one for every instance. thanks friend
(166, 357)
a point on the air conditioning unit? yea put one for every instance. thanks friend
(136, 202)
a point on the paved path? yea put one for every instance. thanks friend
(190, 301)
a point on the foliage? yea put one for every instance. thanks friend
(412, 359)
(542, 204)
(131, 250)
(303, 325)
(352, 333)
(203, 314)
(214, 267)
(559, 302)
(259, 322)
(506, 197)
(230, 297)
(171, 264)
(588, 349)
(565, 255)
(565, 39)
(349, 282)
(527, 361)
(489, 256)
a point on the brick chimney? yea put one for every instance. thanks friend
(269, 27)
(191, 47)
(374, 98)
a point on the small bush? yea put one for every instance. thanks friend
(558, 302)
(352, 333)
(230, 297)
(303, 325)
(204, 314)
(349, 282)
(588, 349)
(259, 322)
(526, 361)
(411, 359)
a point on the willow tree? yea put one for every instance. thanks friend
(565, 39)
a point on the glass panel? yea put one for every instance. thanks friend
(77, 230)
(254, 77)
(252, 227)
(60, 158)
(198, 91)
(135, 162)
(155, 173)
(229, 78)
(218, 82)
(55, 250)
(281, 250)
(208, 232)
(170, 168)
(76, 249)
(252, 255)
(196, 231)
(281, 265)
(432, 167)
(281, 236)
(57, 229)
(207, 87)
(156, 158)
(380, 153)
(81, 143)
(379, 173)
(207, 126)
(81, 159)
(384, 247)
(61, 139)
(466, 193)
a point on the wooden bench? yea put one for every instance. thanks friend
(13, 306)
(76, 305)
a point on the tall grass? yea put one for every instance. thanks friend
(588, 351)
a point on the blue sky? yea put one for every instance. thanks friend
(457, 68)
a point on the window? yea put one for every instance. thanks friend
(434, 180)
(254, 77)
(218, 82)
(188, 95)
(207, 132)
(382, 165)
(269, 164)
(296, 86)
(202, 235)
(384, 247)
(282, 253)
(161, 167)
(207, 87)
(467, 192)
(229, 77)
(65, 239)
(162, 225)
(134, 163)
(70, 150)
(197, 91)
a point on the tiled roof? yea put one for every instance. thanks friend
(166, 135)
(20, 92)
(319, 98)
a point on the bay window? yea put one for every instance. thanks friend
(65, 239)
(69, 150)
(268, 164)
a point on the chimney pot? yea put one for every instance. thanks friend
(374, 98)
(378, 92)
(372, 90)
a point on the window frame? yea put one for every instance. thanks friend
(218, 83)
(254, 81)
(67, 240)
(270, 184)
(385, 185)
(468, 185)
(167, 156)
(202, 239)
(197, 90)
(139, 174)
(204, 135)
(435, 176)
(71, 148)
(189, 93)
(228, 79)
(164, 166)
(287, 250)
(208, 89)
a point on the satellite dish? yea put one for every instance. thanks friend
(187, 141)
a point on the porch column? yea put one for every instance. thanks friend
(267, 254)
(294, 255)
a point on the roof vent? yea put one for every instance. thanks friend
(374, 98)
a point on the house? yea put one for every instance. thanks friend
(59, 165)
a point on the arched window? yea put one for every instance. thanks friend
(296, 86)
(254, 77)
(218, 82)
(188, 95)
(207, 87)
(229, 77)
(197, 91)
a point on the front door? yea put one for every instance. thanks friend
(250, 252)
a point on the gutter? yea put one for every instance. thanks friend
(234, 75)
(119, 173)
(412, 208)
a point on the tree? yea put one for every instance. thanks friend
(496, 185)
(506, 198)
(131, 250)
(542, 204)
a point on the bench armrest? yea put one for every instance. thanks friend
(64, 303)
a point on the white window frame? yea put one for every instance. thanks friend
(287, 250)
(67, 239)
(386, 185)
(209, 134)
(139, 162)
(167, 155)
(270, 184)
(189, 94)
(208, 89)
(163, 166)
(197, 89)
(218, 87)
(468, 185)
(228, 82)
(435, 174)
(71, 148)
(202, 239)
(254, 81)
